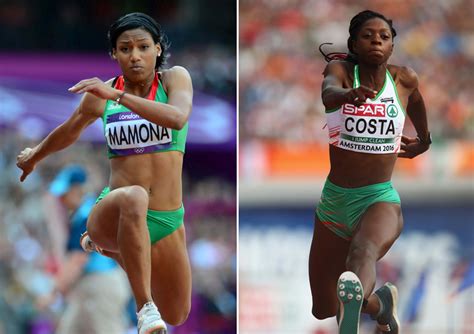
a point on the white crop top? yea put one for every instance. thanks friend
(374, 127)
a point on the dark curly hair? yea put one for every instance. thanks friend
(142, 21)
(354, 28)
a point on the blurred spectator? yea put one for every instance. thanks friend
(96, 289)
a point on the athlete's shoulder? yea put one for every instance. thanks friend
(338, 68)
(175, 72)
(405, 75)
(177, 77)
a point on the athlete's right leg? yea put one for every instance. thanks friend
(117, 224)
(327, 261)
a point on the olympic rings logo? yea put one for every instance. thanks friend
(139, 150)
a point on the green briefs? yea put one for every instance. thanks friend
(160, 223)
(340, 209)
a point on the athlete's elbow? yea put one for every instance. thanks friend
(176, 125)
(178, 122)
(330, 103)
(329, 100)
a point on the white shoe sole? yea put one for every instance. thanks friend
(351, 296)
(157, 329)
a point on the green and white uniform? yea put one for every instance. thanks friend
(373, 128)
(340, 209)
(127, 133)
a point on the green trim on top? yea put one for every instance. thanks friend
(383, 88)
(357, 82)
(396, 93)
(356, 77)
(178, 136)
(161, 95)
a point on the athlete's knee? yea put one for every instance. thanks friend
(362, 251)
(176, 316)
(133, 202)
(113, 255)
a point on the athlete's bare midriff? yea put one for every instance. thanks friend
(353, 169)
(158, 173)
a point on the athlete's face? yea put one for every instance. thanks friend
(374, 43)
(136, 54)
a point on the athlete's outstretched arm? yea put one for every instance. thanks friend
(61, 137)
(334, 95)
(173, 114)
(416, 110)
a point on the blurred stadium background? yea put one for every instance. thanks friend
(45, 47)
(283, 162)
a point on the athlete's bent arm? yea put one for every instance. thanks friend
(334, 95)
(411, 147)
(173, 114)
(61, 137)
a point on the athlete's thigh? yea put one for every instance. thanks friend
(327, 260)
(102, 224)
(379, 227)
(171, 274)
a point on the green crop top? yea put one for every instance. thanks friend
(127, 133)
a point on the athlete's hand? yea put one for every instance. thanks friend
(25, 161)
(357, 96)
(411, 147)
(96, 87)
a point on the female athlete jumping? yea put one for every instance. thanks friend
(138, 218)
(359, 217)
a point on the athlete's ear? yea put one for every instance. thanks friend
(354, 45)
(158, 49)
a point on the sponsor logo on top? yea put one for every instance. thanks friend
(365, 110)
(392, 111)
(114, 105)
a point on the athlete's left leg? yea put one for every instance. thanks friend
(171, 277)
(378, 229)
